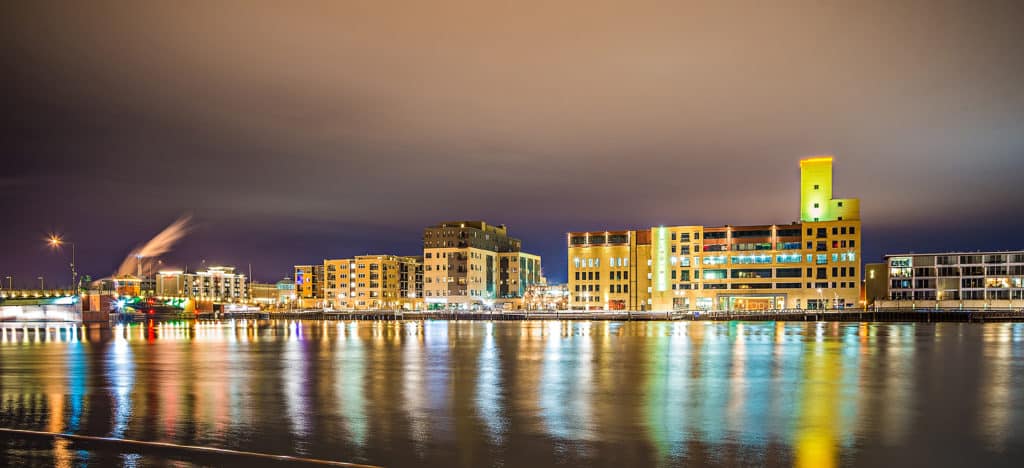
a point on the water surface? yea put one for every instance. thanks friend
(533, 394)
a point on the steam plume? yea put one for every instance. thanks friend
(156, 246)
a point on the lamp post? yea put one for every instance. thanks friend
(821, 299)
(56, 242)
(41, 283)
(10, 282)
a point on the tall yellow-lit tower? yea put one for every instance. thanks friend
(816, 202)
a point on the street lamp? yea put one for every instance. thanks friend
(56, 242)
(10, 282)
(40, 278)
(821, 299)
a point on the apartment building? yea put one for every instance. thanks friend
(472, 264)
(309, 288)
(809, 264)
(372, 282)
(955, 280)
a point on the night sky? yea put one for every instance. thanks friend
(295, 131)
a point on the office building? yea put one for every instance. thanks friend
(808, 264)
(955, 280)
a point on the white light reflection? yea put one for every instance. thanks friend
(350, 386)
(488, 388)
(296, 398)
(121, 374)
(413, 386)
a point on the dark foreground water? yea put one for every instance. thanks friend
(527, 394)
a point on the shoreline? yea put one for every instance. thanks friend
(923, 316)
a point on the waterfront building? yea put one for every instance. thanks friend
(264, 294)
(518, 271)
(285, 291)
(129, 285)
(955, 280)
(309, 289)
(217, 284)
(371, 282)
(876, 283)
(471, 264)
(547, 297)
(808, 264)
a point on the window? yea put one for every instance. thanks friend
(787, 272)
(714, 274)
(853, 230)
(835, 231)
(840, 204)
(815, 188)
(815, 205)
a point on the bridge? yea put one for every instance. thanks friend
(40, 306)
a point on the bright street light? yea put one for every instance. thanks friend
(56, 241)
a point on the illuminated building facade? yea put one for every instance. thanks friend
(954, 280)
(264, 294)
(517, 272)
(469, 264)
(546, 297)
(285, 291)
(216, 284)
(810, 264)
(371, 282)
(309, 291)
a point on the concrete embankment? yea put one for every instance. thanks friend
(902, 315)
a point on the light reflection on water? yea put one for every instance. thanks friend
(527, 393)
